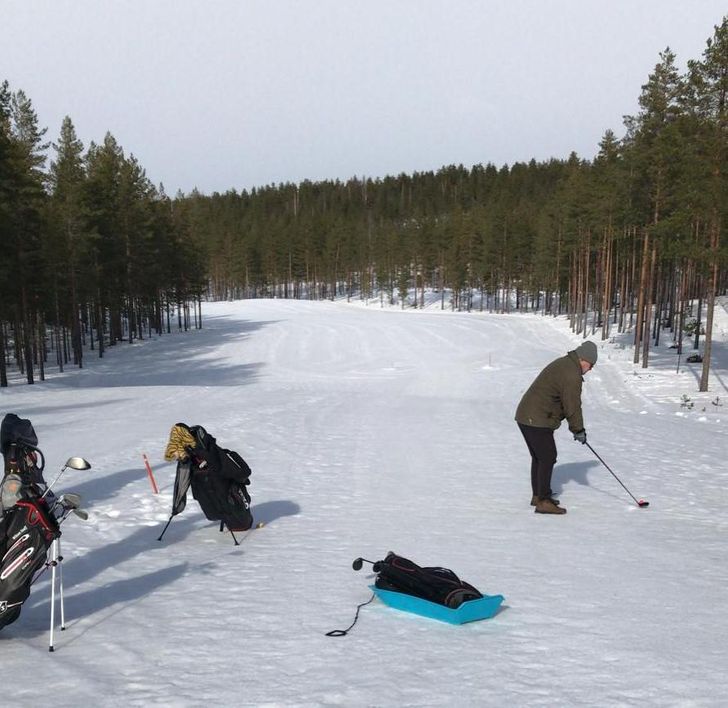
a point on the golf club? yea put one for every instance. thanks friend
(640, 502)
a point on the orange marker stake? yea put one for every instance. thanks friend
(151, 475)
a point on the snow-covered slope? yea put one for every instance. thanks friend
(371, 430)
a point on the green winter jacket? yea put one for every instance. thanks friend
(554, 395)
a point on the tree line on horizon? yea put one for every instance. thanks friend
(92, 253)
(629, 241)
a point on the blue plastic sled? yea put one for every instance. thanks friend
(469, 611)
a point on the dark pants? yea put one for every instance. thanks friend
(542, 447)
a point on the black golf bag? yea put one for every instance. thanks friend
(438, 585)
(398, 574)
(27, 525)
(218, 478)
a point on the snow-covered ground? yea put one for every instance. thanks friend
(371, 430)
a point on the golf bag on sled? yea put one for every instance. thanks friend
(439, 585)
(28, 527)
(218, 477)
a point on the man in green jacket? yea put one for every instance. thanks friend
(554, 395)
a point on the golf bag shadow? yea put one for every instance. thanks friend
(27, 524)
(218, 478)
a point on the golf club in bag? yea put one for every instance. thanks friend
(30, 519)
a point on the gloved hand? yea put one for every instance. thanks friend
(580, 437)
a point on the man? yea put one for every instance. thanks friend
(554, 395)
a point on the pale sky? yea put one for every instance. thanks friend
(222, 94)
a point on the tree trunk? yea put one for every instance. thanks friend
(711, 307)
(648, 310)
(641, 300)
(3, 368)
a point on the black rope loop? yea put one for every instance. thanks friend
(344, 632)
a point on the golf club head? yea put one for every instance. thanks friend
(70, 500)
(357, 564)
(81, 513)
(78, 463)
(642, 503)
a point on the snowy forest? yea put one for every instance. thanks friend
(95, 254)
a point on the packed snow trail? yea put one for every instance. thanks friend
(370, 431)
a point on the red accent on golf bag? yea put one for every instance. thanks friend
(29, 531)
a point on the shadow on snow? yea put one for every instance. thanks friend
(166, 361)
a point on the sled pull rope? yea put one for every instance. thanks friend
(344, 632)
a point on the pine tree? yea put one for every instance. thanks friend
(653, 136)
(709, 79)
(27, 197)
(65, 247)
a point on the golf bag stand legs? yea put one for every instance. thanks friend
(60, 577)
(166, 526)
(56, 559)
(222, 528)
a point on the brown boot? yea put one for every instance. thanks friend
(547, 506)
(534, 500)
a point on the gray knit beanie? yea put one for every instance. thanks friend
(588, 352)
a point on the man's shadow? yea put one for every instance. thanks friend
(577, 472)
(571, 472)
